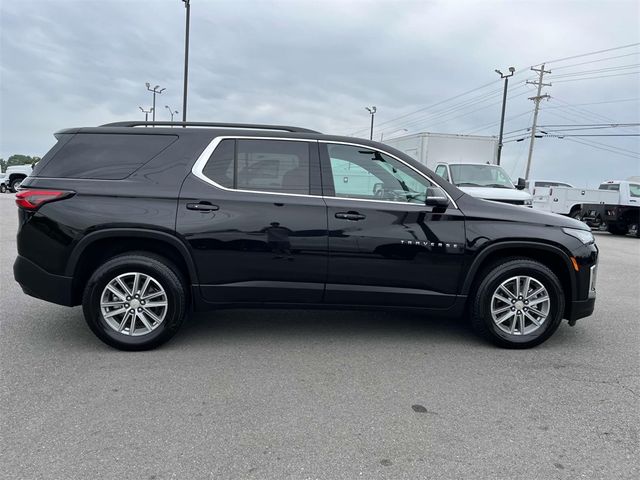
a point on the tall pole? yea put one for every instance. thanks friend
(146, 113)
(186, 60)
(541, 71)
(155, 91)
(372, 112)
(504, 107)
(171, 112)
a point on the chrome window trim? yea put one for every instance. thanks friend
(202, 159)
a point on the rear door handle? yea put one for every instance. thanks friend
(202, 207)
(350, 216)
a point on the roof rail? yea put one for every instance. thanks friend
(249, 126)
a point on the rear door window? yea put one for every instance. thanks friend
(278, 166)
(104, 156)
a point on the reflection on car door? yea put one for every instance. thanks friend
(385, 245)
(254, 218)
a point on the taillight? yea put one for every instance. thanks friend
(33, 199)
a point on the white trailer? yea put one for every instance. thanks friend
(467, 161)
(433, 148)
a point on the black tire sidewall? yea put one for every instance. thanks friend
(143, 264)
(511, 269)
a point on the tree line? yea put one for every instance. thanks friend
(17, 160)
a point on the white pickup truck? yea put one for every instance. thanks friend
(15, 174)
(615, 205)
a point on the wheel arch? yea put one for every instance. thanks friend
(97, 247)
(554, 257)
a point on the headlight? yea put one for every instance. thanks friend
(585, 236)
(528, 202)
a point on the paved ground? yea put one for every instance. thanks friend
(330, 395)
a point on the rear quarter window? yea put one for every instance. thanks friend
(104, 156)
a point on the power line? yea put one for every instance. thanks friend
(595, 61)
(600, 76)
(597, 70)
(586, 142)
(589, 53)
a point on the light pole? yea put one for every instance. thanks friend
(395, 131)
(372, 112)
(504, 106)
(171, 112)
(155, 91)
(146, 113)
(187, 6)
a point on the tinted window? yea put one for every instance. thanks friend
(264, 165)
(634, 189)
(359, 172)
(219, 168)
(610, 186)
(104, 156)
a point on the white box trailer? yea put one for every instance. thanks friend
(433, 148)
(467, 161)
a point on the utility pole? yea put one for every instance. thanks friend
(187, 6)
(372, 112)
(541, 71)
(504, 105)
(171, 112)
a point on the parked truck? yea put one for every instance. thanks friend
(15, 174)
(467, 161)
(614, 205)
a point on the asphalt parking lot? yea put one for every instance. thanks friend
(258, 394)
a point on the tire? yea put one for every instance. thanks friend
(576, 213)
(3, 188)
(15, 184)
(617, 229)
(166, 291)
(503, 273)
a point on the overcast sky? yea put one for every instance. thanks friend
(317, 64)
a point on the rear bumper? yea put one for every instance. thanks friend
(41, 284)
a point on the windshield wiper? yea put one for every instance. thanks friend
(497, 185)
(468, 184)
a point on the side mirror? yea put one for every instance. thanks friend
(436, 198)
(521, 185)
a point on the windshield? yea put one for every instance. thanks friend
(480, 175)
(634, 189)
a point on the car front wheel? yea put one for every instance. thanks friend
(518, 304)
(135, 301)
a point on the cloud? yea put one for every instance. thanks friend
(318, 64)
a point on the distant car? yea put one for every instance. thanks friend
(16, 174)
(3, 184)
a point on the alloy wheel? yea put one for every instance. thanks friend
(520, 305)
(134, 304)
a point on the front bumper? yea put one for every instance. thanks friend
(580, 309)
(41, 284)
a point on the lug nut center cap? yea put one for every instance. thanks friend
(135, 303)
(519, 305)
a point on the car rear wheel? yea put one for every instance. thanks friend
(518, 304)
(3, 188)
(617, 229)
(135, 301)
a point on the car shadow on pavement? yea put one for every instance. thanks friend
(322, 325)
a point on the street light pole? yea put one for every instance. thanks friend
(372, 112)
(187, 6)
(155, 91)
(504, 106)
(171, 112)
(146, 113)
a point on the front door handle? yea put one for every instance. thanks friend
(350, 216)
(202, 207)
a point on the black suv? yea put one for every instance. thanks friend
(143, 225)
